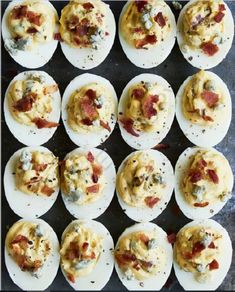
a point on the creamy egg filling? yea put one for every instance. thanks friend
(80, 250)
(206, 181)
(203, 26)
(83, 23)
(145, 23)
(203, 100)
(145, 108)
(28, 244)
(82, 179)
(91, 108)
(36, 173)
(30, 23)
(198, 250)
(140, 183)
(140, 256)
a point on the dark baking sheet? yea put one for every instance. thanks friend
(119, 71)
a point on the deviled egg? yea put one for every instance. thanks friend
(205, 31)
(28, 30)
(204, 108)
(89, 110)
(87, 182)
(87, 30)
(87, 255)
(202, 255)
(32, 107)
(145, 183)
(204, 182)
(147, 32)
(31, 181)
(146, 111)
(32, 254)
(143, 257)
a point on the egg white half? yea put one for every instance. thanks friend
(25, 280)
(88, 139)
(148, 140)
(155, 282)
(95, 209)
(187, 280)
(155, 55)
(201, 135)
(103, 269)
(141, 214)
(24, 205)
(181, 167)
(88, 58)
(42, 53)
(31, 135)
(196, 57)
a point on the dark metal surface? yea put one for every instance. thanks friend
(119, 71)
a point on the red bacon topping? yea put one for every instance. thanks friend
(88, 6)
(71, 278)
(222, 7)
(201, 164)
(85, 246)
(138, 93)
(198, 247)
(90, 157)
(213, 176)
(204, 204)
(140, 4)
(105, 125)
(147, 106)
(22, 11)
(159, 18)
(91, 94)
(124, 258)
(209, 48)
(151, 201)
(195, 176)
(145, 264)
(213, 265)
(219, 16)
(19, 238)
(47, 190)
(93, 189)
(207, 118)
(88, 108)
(32, 30)
(171, 238)
(19, 12)
(82, 30)
(97, 171)
(57, 37)
(149, 39)
(34, 18)
(136, 266)
(39, 167)
(210, 97)
(25, 104)
(42, 123)
(87, 122)
(144, 238)
(211, 245)
(128, 126)
(138, 30)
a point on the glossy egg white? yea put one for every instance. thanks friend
(187, 280)
(25, 280)
(31, 135)
(141, 214)
(91, 139)
(95, 209)
(148, 140)
(103, 269)
(24, 205)
(201, 135)
(196, 57)
(181, 167)
(88, 58)
(156, 282)
(42, 53)
(155, 55)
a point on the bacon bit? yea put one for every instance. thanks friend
(47, 190)
(34, 18)
(161, 146)
(82, 30)
(207, 118)
(92, 256)
(147, 106)
(219, 16)
(71, 278)
(195, 176)
(22, 262)
(211, 245)
(19, 12)
(145, 264)
(95, 178)
(213, 176)
(19, 238)
(90, 157)
(197, 248)
(187, 255)
(138, 93)
(128, 126)
(201, 204)
(57, 37)
(159, 18)
(149, 39)
(171, 238)
(88, 109)
(105, 125)
(97, 169)
(201, 164)
(93, 189)
(210, 97)
(32, 30)
(87, 122)
(37, 264)
(140, 4)
(209, 48)
(88, 6)
(91, 93)
(126, 257)
(39, 167)
(50, 89)
(151, 201)
(136, 266)
(144, 238)
(222, 7)
(138, 30)
(213, 265)
(85, 246)
(42, 123)
(25, 104)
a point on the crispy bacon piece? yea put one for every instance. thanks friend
(19, 238)
(50, 89)
(201, 164)
(128, 126)
(213, 265)
(197, 248)
(159, 18)
(125, 258)
(92, 256)
(213, 176)
(32, 30)
(42, 123)
(207, 118)
(209, 48)
(210, 97)
(204, 204)
(90, 157)
(87, 122)
(138, 30)
(140, 4)
(85, 246)
(23, 263)
(88, 108)
(34, 18)
(82, 30)
(95, 178)
(19, 12)
(47, 190)
(97, 169)
(222, 7)
(138, 93)
(195, 176)
(71, 278)
(73, 251)
(219, 16)
(25, 104)
(151, 201)
(93, 189)
(91, 94)
(105, 125)
(171, 238)
(149, 39)
(147, 106)
(39, 167)
(145, 264)
(211, 245)
(88, 6)
(187, 255)
(136, 266)
(57, 37)
(144, 238)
